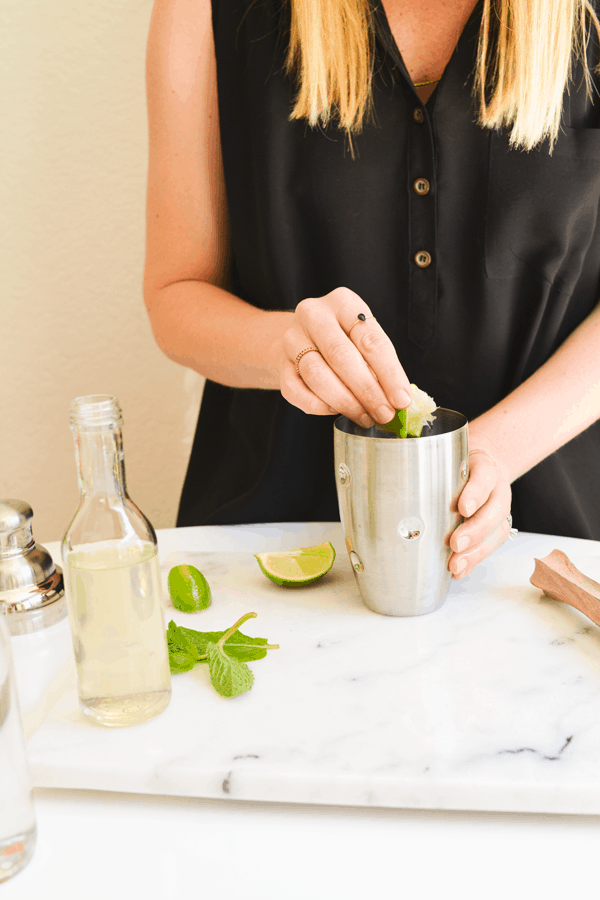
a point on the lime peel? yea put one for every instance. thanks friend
(188, 589)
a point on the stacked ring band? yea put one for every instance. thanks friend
(301, 354)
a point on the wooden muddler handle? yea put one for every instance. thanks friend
(560, 580)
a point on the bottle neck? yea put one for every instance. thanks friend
(100, 463)
(97, 423)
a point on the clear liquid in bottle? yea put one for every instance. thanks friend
(117, 625)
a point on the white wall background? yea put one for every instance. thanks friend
(73, 157)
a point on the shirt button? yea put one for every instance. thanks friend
(422, 259)
(421, 186)
(418, 114)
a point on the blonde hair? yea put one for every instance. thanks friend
(524, 74)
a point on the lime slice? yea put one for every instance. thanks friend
(300, 566)
(188, 588)
(410, 421)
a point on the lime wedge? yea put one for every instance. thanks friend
(420, 411)
(397, 425)
(188, 588)
(294, 567)
(410, 421)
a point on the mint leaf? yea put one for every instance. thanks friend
(398, 424)
(177, 640)
(183, 655)
(230, 677)
(180, 662)
(239, 645)
(200, 640)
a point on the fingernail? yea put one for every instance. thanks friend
(461, 566)
(366, 421)
(463, 543)
(385, 414)
(471, 507)
(404, 400)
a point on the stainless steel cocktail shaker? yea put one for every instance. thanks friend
(398, 508)
(31, 586)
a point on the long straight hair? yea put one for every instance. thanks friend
(520, 76)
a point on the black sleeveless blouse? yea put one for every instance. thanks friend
(513, 239)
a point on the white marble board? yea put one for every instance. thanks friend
(490, 703)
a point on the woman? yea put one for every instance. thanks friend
(311, 161)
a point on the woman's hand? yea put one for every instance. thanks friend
(485, 504)
(357, 374)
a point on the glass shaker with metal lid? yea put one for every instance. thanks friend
(31, 586)
(17, 817)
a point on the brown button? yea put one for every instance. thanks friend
(422, 259)
(418, 114)
(421, 186)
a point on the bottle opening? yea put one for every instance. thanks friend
(96, 411)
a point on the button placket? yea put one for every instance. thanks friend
(422, 230)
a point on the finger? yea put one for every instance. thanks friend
(381, 357)
(474, 533)
(298, 394)
(316, 389)
(483, 477)
(461, 565)
(347, 362)
(487, 518)
(374, 345)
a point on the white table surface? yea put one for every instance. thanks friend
(99, 844)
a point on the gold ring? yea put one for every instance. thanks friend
(360, 318)
(301, 354)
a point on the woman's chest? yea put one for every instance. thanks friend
(427, 32)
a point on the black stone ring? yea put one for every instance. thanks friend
(361, 318)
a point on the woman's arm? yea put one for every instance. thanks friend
(196, 321)
(553, 406)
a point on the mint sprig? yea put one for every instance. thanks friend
(226, 653)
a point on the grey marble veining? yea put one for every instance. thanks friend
(490, 703)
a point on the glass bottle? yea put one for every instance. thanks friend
(17, 817)
(112, 578)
